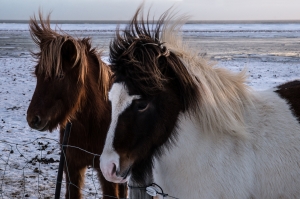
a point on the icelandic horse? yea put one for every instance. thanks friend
(199, 128)
(72, 85)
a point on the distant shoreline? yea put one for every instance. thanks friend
(189, 22)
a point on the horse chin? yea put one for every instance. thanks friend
(49, 126)
(124, 180)
(116, 179)
(118, 176)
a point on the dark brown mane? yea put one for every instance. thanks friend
(50, 43)
(138, 55)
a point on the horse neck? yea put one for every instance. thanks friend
(227, 98)
(95, 111)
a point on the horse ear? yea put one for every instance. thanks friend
(69, 52)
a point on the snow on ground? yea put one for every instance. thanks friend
(29, 159)
(26, 170)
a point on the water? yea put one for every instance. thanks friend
(218, 40)
(190, 27)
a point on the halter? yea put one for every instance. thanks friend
(153, 190)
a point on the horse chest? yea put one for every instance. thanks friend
(199, 167)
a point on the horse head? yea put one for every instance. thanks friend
(146, 97)
(61, 74)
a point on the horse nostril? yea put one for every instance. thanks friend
(36, 120)
(114, 169)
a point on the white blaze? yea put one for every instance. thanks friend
(120, 100)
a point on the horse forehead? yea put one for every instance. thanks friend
(120, 98)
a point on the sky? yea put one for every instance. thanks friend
(124, 9)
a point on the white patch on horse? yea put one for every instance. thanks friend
(120, 100)
(212, 162)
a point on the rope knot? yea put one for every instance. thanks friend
(153, 190)
(165, 51)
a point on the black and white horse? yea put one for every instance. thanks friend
(201, 130)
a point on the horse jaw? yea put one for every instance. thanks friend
(110, 160)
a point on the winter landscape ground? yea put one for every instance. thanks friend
(29, 159)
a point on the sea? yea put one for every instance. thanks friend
(219, 39)
(189, 27)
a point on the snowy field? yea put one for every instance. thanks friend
(29, 158)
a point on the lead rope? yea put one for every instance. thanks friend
(153, 190)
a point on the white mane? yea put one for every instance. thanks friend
(224, 94)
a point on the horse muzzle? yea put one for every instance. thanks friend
(111, 169)
(110, 173)
(37, 123)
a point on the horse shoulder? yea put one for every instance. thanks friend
(207, 163)
(200, 165)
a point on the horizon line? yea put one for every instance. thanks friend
(126, 21)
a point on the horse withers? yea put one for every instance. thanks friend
(199, 128)
(72, 85)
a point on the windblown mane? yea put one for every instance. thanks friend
(50, 43)
(142, 57)
(144, 51)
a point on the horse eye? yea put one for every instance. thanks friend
(142, 106)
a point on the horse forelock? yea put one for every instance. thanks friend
(141, 57)
(130, 57)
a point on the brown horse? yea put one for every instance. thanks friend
(72, 85)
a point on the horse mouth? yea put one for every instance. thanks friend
(124, 174)
(44, 128)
